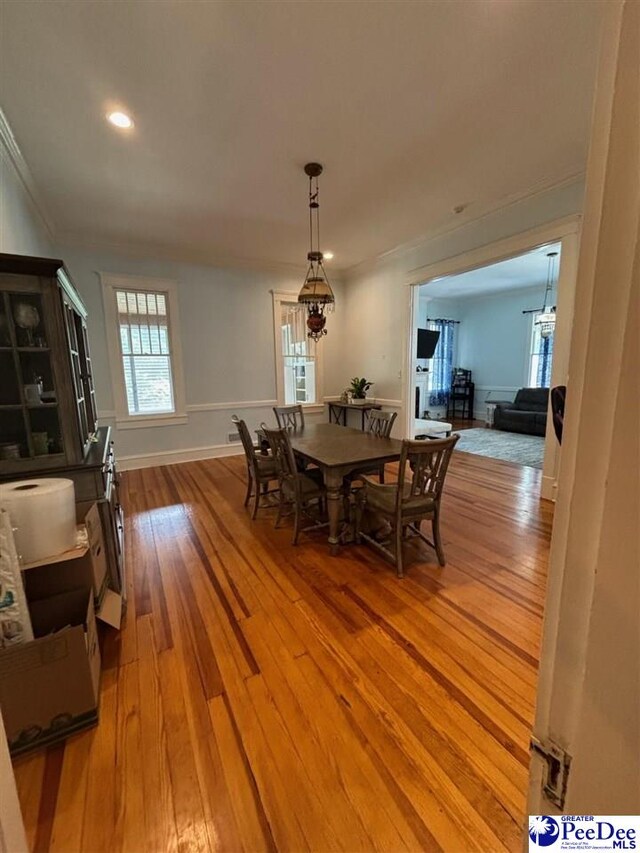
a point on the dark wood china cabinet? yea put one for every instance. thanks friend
(48, 417)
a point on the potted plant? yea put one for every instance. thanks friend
(358, 390)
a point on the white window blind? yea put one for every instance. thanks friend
(299, 357)
(143, 320)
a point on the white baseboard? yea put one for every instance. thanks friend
(174, 457)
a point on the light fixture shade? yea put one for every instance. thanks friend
(546, 322)
(316, 290)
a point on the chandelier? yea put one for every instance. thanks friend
(546, 319)
(316, 294)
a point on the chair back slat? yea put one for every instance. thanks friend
(245, 438)
(284, 457)
(291, 417)
(381, 423)
(428, 461)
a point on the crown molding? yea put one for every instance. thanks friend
(503, 203)
(177, 254)
(9, 145)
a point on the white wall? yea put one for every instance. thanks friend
(494, 340)
(377, 297)
(227, 339)
(22, 231)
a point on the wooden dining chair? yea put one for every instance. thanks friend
(261, 467)
(289, 417)
(379, 424)
(414, 498)
(298, 490)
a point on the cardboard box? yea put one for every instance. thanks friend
(93, 544)
(83, 567)
(49, 688)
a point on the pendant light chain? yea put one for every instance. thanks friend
(310, 214)
(546, 319)
(316, 294)
(318, 217)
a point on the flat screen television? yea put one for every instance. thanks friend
(427, 342)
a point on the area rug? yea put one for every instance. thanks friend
(509, 446)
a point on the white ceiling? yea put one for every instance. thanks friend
(528, 270)
(413, 107)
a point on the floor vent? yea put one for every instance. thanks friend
(233, 437)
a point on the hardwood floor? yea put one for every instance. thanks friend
(266, 697)
(465, 423)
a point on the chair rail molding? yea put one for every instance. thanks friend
(109, 414)
(223, 407)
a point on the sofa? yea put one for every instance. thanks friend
(527, 413)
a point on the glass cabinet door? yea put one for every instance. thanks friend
(29, 417)
(87, 372)
(70, 317)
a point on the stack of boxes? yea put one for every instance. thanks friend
(49, 685)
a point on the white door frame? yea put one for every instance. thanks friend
(566, 231)
(588, 685)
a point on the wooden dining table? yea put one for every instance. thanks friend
(337, 451)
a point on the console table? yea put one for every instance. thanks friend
(338, 412)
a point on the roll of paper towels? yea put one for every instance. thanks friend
(43, 513)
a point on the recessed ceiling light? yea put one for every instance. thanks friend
(327, 256)
(121, 120)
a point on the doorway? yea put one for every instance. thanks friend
(491, 368)
(503, 286)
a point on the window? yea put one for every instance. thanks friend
(146, 357)
(143, 346)
(297, 355)
(540, 358)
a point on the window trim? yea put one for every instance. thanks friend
(110, 283)
(281, 297)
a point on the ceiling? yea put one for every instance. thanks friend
(413, 108)
(528, 270)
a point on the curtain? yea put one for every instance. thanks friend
(541, 358)
(442, 362)
(294, 330)
(544, 362)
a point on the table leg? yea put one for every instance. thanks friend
(333, 482)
